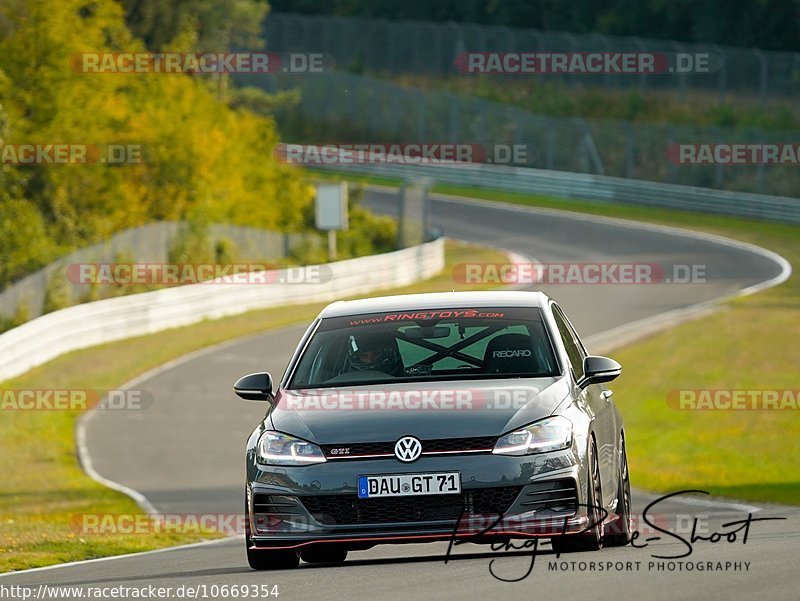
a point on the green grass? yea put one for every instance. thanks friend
(42, 484)
(558, 99)
(747, 454)
(751, 344)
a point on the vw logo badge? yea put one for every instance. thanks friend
(408, 449)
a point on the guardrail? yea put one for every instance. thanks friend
(351, 108)
(99, 322)
(149, 243)
(582, 186)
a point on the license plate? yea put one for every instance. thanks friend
(400, 485)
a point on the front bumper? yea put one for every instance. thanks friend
(502, 497)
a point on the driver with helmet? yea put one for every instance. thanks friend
(376, 352)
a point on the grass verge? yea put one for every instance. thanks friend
(750, 344)
(43, 486)
(556, 99)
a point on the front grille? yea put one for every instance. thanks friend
(447, 445)
(349, 509)
(439, 445)
(552, 495)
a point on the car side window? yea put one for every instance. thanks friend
(571, 345)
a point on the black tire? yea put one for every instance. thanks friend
(261, 559)
(620, 530)
(323, 553)
(592, 539)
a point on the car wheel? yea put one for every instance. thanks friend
(265, 559)
(324, 554)
(621, 528)
(592, 539)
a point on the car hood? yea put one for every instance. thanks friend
(433, 410)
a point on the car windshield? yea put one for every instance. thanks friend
(440, 344)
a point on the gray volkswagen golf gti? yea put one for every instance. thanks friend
(466, 416)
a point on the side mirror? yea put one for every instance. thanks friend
(254, 387)
(597, 370)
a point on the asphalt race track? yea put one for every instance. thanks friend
(185, 453)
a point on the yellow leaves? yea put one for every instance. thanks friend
(198, 152)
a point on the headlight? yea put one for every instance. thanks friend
(550, 434)
(275, 448)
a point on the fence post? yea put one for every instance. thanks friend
(387, 54)
(421, 105)
(437, 43)
(602, 43)
(719, 168)
(458, 46)
(668, 134)
(481, 124)
(374, 117)
(642, 76)
(514, 122)
(572, 45)
(396, 111)
(630, 150)
(591, 149)
(762, 79)
(287, 246)
(761, 167)
(723, 72)
(455, 106)
(681, 76)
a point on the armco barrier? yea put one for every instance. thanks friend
(351, 108)
(149, 243)
(585, 186)
(81, 326)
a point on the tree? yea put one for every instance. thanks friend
(199, 154)
(211, 25)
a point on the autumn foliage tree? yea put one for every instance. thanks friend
(199, 155)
